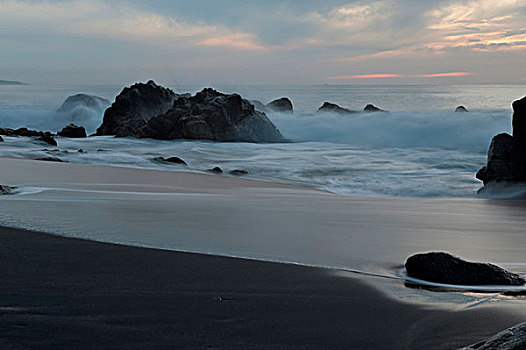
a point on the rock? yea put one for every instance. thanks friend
(513, 338)
(47, 139)
(372, 108)
(448, 269)
(82, 100)
(174, 160)
(461, 109)
(1, 139)
(134, 107)
(81, 151)
(211, 115)
(5, 190)
(334, 108)
(282, 105)
(73, 131)
(507, 154)
(239, 172)
(259, 106)
(217, 170)
(50, 159)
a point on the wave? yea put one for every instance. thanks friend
(432, 129)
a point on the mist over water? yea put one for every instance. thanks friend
(422, 148)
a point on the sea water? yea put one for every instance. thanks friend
(421, 148)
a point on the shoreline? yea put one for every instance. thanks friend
(60, 292)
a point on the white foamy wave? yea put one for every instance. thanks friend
(436, 129)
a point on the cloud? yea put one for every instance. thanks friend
(97, 18)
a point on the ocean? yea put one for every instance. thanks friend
(422, 148)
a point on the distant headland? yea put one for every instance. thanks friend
(9, 82)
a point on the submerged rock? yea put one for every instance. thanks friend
(73, 131)
(134, 107)
(5, 190)
(328, 107)
(47, 139)
(282, 105)
(211, 115)
(372, 108)
(513, 338)
(217, 170)
(239, 172)
(507, 154)
(174, 160)
(1, 139)
(82, 100)
(461, 109)
(50, 159)
(448, 269)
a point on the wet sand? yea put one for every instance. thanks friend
(63, 293)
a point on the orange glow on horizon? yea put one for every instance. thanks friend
(453, 74)
(365, 76)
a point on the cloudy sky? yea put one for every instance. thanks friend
(264, 41)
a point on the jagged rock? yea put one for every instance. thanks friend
(211, 115)
(73, 131)
(461, 109)
(239, 172)
(448, 269)
(174, 160)
(50, 159)
(5, 190)
(134, 107)
(513, 338)
(328, 107)
(507, 154)
(372, 108)
(82, 100)
(217, 170)
(47, 139)
(281, 105)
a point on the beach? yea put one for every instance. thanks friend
(60, 292)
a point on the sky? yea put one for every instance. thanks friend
(181, 42)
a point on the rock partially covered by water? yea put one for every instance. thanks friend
(1, 139)
(211, 115)
(174, 160)
(513, 338)
(328, 107)
(448, 269)
(372, 108)
(47, 139)
(73, 131)
(461, 109)
(86, 101)
(5, 190)
(134, 107)
(281, 105)
(507, 154)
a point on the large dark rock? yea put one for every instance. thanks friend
(282, 105)
(507, 154)
(73, 131)
(328, 107)
(513, 338)
(461, 109)
(47, 139)
(173, 160)
(211, 115)
(448, 269)
(82, 100)
(134, 107)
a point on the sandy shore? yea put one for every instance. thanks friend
(65, 293)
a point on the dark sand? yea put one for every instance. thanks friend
(64, 293)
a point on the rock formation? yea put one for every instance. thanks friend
(461, 109)
(513, 338)
(507, 154)
(328, 107)
(134, 107)
(448, 269)
(82, 100)
(5, 190)
(73, 131)
(211, 115)
(282, 105)
(372, 108)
